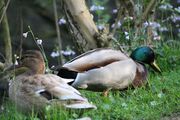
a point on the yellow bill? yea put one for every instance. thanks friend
(155, 67)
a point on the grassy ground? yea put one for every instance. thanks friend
(160, 98)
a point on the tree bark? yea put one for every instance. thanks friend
(82, 25)
(6, 36)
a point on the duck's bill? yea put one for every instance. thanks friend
(155, 67)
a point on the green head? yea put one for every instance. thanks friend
(145, 55)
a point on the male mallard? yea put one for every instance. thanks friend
(106, 69)
(34, 90)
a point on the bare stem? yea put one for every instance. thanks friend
(57, 31)
(5, 8)
(6, 35)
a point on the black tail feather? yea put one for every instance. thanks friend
(68, 74)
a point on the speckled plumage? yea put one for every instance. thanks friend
(34, 90)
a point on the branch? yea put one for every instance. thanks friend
(6, 36)
(1, 66)
(5, 8)
(116, 22)
(148, 9)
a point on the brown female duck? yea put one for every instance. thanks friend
(34, 90)
(106, 69)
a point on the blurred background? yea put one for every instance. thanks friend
(163, 21)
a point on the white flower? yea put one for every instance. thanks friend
(25, 34)
(146, 24)
(16, 62)
(152, 24)
(177, 9)
(157, 38)
(153, 103)
(127, 37)
(100, 8)
(52, 66)
(166, 6)
(114, 11)
(118, 25)
(128, 18)
(94, 8)
(100, 27)
(126, 33)
(55, 54)
(67, 52)
(175, 18)
(163, 29)
(62, 21)
(39, 41)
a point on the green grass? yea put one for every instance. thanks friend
(161, 97)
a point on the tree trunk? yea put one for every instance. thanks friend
(6, 35)
(82, 25)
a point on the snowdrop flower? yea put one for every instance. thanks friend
(153, 103)
(163, 29)
(62, 21)
(55, 54)
(154, 24)
(165, 7)
(67, 52)
(39, 41)
(157, 38)
(16, 62)
(52, 66)
(146, 24)
(16, 57)
(177, 9)
(114, 11)
(128, 17)
(100, 7)
(118, 25)
(126, 33)
(100, 27)
(127, 37)
(175, 18)
(95, 8)
(25, 34)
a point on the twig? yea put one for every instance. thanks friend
(57, 31)
(1, 66)
(116, 22)
(6, 35)
(21, 34)
(145, 14)
(40, 46)
(5, 8)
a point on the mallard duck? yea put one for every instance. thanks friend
(32, 90)
(106, 69)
